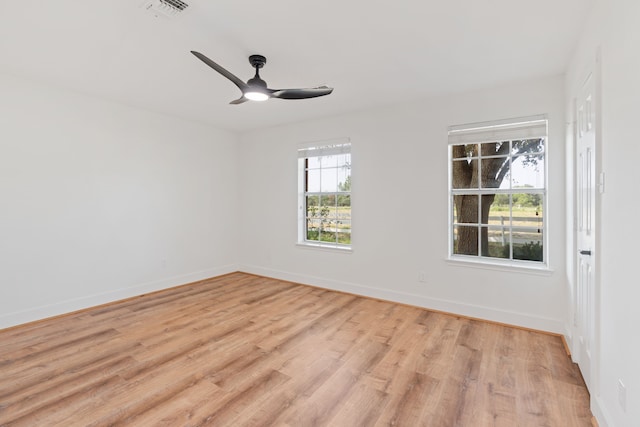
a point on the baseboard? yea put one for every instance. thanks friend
(600, 412)
(68, 306)
(568, 340)
(469, 310)
(454, 307)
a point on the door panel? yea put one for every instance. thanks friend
(584, 303)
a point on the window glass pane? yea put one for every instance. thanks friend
(343, 225)
(343, 160)
(330, 212)
(327, 225)
(464, 151)
(327, 211)
(500, 206)
(344, 237)
(329, 181)
(329, 161)
(464, 173)
(527, 171)
(467, 208)
(527, 244)
(313, 227)
(527, 210)
(344, 213)
(494, 148)
(530, 146)
(454, 211)
(313, 181)
(344, 200)
(465, 240)
(497, 242)
(328, 200)
(312, 206)
(493, 172)
(313, 162)
(344, 179)
(497, 213)
(505, 184)
(343, 229)
(328, 235)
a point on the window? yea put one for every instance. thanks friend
(497, 191)
(324, 183)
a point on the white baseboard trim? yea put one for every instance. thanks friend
(481, 312)
(568, 338)
(599, 411)
(69, 306)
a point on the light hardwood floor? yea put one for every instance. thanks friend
(243, 350)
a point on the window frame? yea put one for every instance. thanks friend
(510, 130)
(320, 149)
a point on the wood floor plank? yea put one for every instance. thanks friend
(244, 350)
(412, 402)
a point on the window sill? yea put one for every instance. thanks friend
(509, 266)
(328, 248)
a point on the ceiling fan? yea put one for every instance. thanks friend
(255, 89)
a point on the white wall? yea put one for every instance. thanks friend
(99, 201)
(614, 28)
(399, 194)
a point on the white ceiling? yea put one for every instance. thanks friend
(374, 52)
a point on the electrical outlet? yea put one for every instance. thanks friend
(422, 276)
(622, 395)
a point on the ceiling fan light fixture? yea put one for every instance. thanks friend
(256, 96)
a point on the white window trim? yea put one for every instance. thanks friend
(312, 149)
(325, 247)
(537, 268)
(500, 130)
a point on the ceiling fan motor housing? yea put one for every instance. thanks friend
(257, 61)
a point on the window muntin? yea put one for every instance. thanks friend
(497, 192)
(325, 194)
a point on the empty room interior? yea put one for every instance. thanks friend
(330, 214)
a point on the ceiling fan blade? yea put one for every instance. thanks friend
(240, 100)
(241, 85)
(301, 93)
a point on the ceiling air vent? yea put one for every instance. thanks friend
(168, 8)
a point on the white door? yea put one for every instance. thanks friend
(584, 304)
